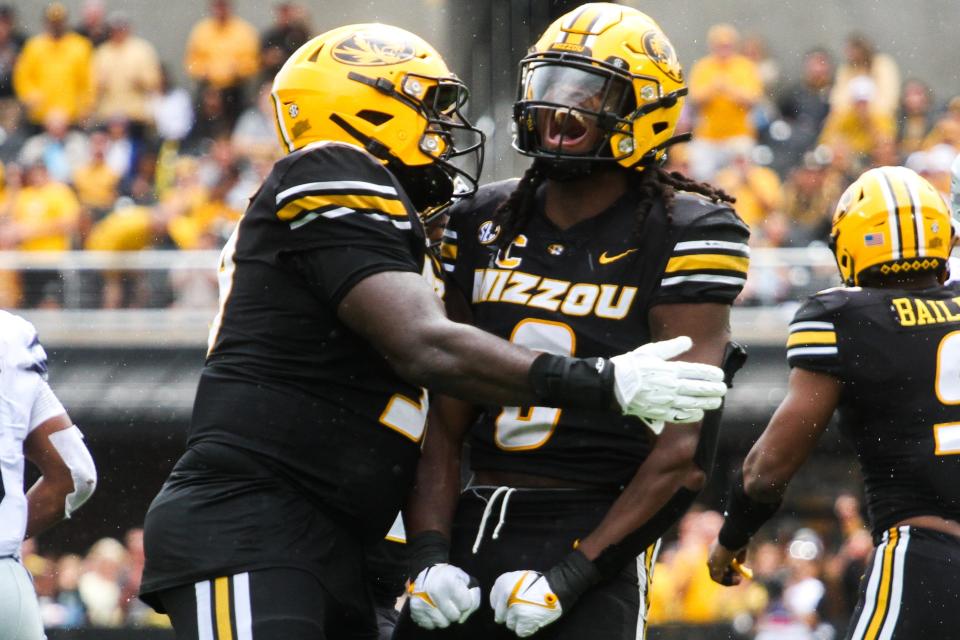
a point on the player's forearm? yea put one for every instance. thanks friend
(649, 493)
(461, 361)
(766, 474)
(45, 501)
(433, 499)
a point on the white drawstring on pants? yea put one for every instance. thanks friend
(506, 492)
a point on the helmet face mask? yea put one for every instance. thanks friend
(571, 109)
(602, 84)
(388, 91)
(890, 222)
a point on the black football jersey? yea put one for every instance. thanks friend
(584, 291)
(897, 353)
(285, 379)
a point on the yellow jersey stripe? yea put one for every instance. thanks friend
(812, 337)
(310, 203)
(699, 261)
(651, 554)
(883, 591)
(221, 598)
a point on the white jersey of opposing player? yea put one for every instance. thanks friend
(25, 403)
(954, 266)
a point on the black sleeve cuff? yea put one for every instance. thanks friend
(571, 577)
(572, 383)
(427, 549)
(744, 516)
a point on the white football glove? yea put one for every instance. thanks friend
(441, 595)
(524, 601)
(656, 390)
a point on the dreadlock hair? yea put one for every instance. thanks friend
(656, 182)
(513, 213)
(652, 184)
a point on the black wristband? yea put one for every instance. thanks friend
(571, 577)
(572, 383)
(744, 516)
(427, 549)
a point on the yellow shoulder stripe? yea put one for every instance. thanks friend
(291, 210)
(812, 337)
(698, 261)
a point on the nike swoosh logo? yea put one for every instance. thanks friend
(605, 259)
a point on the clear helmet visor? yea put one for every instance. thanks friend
(568, 105)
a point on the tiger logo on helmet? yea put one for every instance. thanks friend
(603, 64)
(388, 91)
(890, 222)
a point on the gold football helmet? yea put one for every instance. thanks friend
(390, 92)
(609, 64)
(890, 221)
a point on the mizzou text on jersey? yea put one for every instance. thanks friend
(584, 291)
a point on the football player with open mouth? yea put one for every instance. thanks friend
(596, 249)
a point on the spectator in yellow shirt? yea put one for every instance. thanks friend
(127, 74)
(128, 228)
(724, 87)
(946, 130)
(96, 182)
(861, 125)
(223, 52)
(43, 217)
(192, 221)
(53, 71)
(862, 59)
(756, 188)
(9, 280)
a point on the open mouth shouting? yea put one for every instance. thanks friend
(567, 130)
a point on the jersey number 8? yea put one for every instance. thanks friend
(523, 428)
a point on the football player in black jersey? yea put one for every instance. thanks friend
(595, 250)
(310, 410)
(884, 351)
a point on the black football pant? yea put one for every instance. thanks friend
(911, 588)
(268, 604)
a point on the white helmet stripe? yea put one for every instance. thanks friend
(893, 220)
(915, 210)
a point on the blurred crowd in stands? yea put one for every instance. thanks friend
(806, 576)
(101, 150)
(95, 590)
